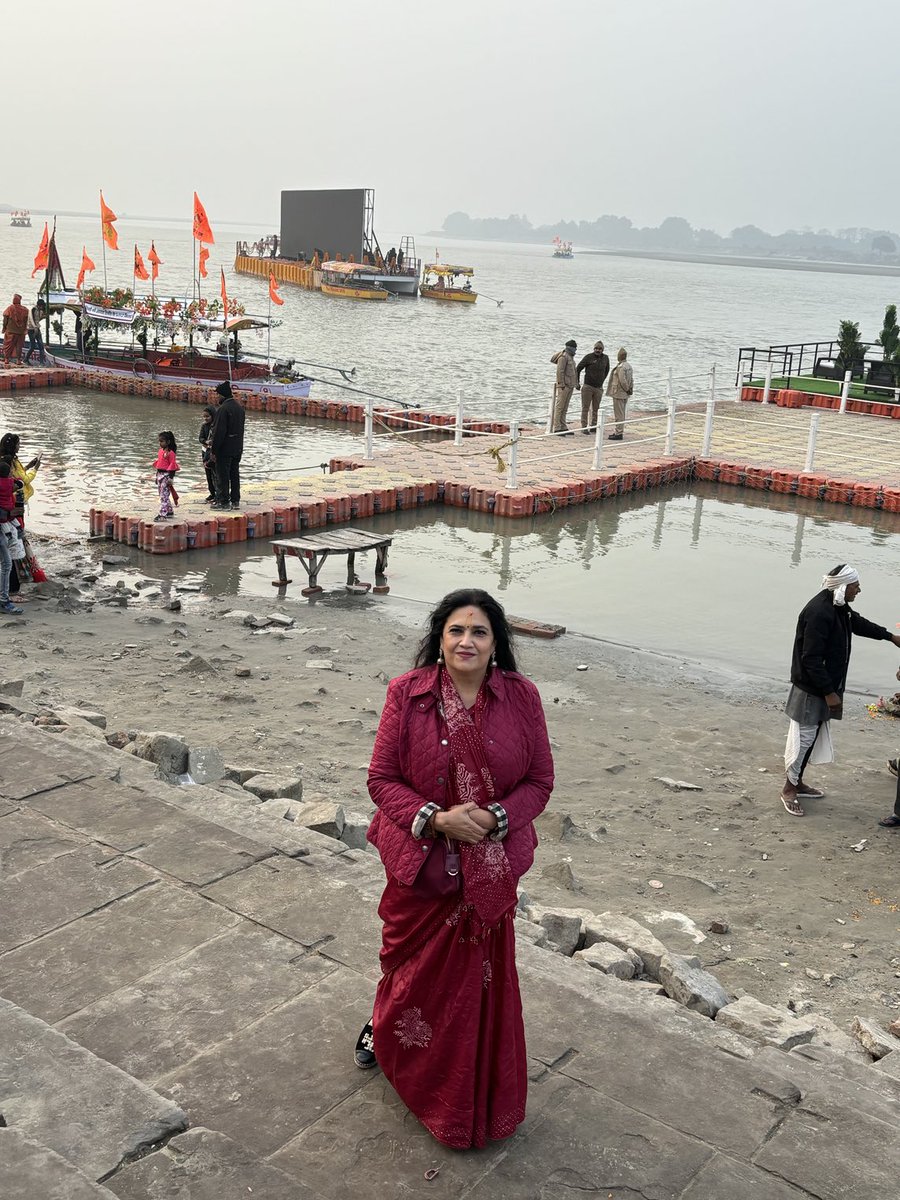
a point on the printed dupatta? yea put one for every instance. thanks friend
(488, 881)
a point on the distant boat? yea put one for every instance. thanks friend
(352, 281)
(20, 218)
(562, 249)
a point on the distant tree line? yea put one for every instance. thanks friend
(676, 235)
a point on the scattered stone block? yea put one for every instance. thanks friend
(242, 672)
(167, 750)
(118, 740)
(678, 785)
(718, 926)
(563, 928)
(282, 809)
(691, 986)
(609, 959)
(320, 664)
(636, 960)
(206, 764)
(894, 1028)
(271, 787)
(11, 687)
(555, 826)
(281, 620)
(560, 873)
(82, 714)
(625, 933)
(323, 816)
(196, 665)
(534, 933)
(873, 1038)
(763, 1023)
(649, 986)
(356, 826)
(829, 1034)
(116, 560)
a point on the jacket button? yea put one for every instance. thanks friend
(422, 705)
(443, 741)
(440, 779)
(424, 849)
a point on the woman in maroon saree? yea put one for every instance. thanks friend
(461, 765)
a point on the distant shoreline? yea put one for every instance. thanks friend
(773, 264)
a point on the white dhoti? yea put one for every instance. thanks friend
(805, 745)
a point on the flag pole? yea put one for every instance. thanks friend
(269, 334)
(47, 289)
(103, 244)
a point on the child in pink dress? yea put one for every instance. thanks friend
(166, 465)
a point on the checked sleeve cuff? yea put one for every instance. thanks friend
(422, 817)
(502, 822)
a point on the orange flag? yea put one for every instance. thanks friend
(224, 294)
(154, 260)
(202, 231)
(204, 255)
(273, 290)
(86, 265)
(107, 219)
(140, 271)
(43, 255)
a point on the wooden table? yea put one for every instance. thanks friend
(313, 549)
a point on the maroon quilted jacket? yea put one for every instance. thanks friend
(410, 765)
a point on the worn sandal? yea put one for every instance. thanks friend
(810, 793)
(890, 822)
(792, 805)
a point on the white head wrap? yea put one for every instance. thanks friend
(838, 583)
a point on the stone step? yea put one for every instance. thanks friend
(29, 1171)
(61, 1096)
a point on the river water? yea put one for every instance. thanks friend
(707, 573)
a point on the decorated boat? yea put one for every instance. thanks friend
(20, 218)
(352, 281)
(152, 338)
(440, 282)
(562, 249)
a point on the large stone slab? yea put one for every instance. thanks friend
(590, 1145)
(27, 840)
(835, 1150)
(188, 847)
(314, 906)
(189, 1005)
(724, 1178)
(624, 933)
(59, 974)
(763, 1023)
(281, 1073)
(371, 1145)
(32, 1172)
(54, 893)
(62, 1096)
(204, 1165)
(691, 986)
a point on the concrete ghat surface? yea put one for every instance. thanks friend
(144, 994)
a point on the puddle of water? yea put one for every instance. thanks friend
(704, 572)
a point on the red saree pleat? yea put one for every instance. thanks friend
(449, 1034)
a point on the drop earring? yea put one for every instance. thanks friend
(493, 658)
(440, 657)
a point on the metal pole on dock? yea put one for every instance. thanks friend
(845, 391)
(512, 476)
(811, 443)
(710, 412)
(767, 387)
(370, 403)
(549, 428)
(739, 391)
(458, 433)
(598, 440)
(670, 424)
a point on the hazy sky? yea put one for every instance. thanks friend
(773, 112)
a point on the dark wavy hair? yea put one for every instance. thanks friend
(9, 445)
(170, 439)
(429, 647)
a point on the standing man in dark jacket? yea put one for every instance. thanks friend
(227, 444)
(596, 368)
(818, 678)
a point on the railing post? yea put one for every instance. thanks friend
(549, 428)
(845, 391)
(512, 474)
(458, 433)
(710, 412)
(670, 423)
(740, 387)
(811, 443)
(369, 455)
(598, 440)
(767, 386)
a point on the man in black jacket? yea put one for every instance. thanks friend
(227, 444)
(818, 677)
(596, 368)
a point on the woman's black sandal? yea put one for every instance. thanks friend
(364, 1053)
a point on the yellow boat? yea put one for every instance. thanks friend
(443, 285)
(352, 281)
